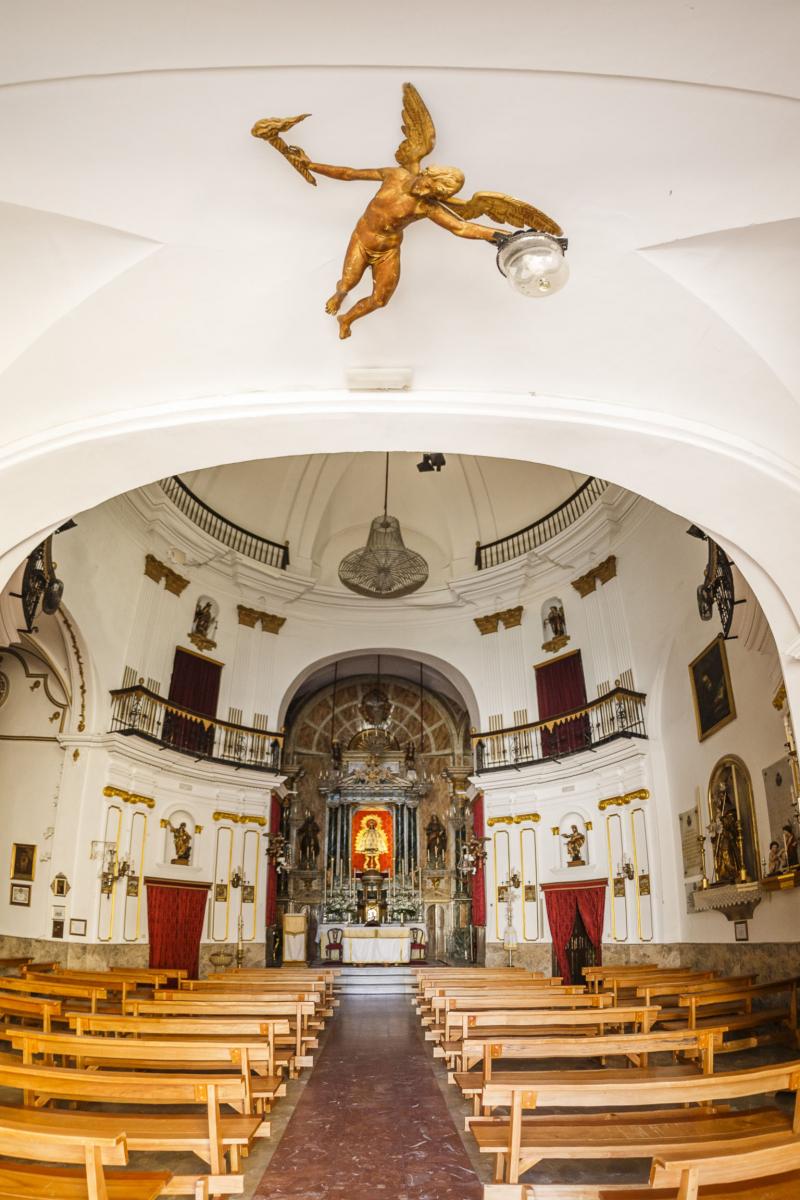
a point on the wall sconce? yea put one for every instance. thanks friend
(473, 855)
(114, 868)
(625, 869)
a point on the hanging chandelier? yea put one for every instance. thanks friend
(385, 568)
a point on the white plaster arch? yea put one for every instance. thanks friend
(455, 677)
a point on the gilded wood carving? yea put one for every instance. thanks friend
(407, 193)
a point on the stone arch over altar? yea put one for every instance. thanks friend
(380, 758)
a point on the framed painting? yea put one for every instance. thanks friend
(712, 693)
(23, 861)
(77, 927)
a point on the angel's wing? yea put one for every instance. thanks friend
(420, 134)
(506, 210)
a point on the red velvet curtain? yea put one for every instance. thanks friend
(562, 904)
(592, 907)
(561, 907)
(478, 879)
(272, 874)
(194, 685)
(560, 687)
(175, 925)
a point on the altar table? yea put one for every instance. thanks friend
(378, 945)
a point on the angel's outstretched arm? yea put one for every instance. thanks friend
(345, 173)
(465, 229)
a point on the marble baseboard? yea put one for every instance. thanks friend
(99, 957)
(767, 960)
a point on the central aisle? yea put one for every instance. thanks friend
(372, 1120)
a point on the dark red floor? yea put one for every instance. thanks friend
(372, 1120)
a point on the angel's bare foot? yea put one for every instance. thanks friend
(335, 303)
(344, 327)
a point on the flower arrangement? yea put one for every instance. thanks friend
(404, 905)
(340, 905)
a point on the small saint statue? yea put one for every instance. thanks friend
(575, 842)
(556, 620)
(183, 844)
(308, 835)
(436, 835)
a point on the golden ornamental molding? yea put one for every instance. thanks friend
(81, 675)
(779, 699)
(510, 618)
(128, 797)
(155, 570)
(621, 801)
(269, 622)
(516, 819)
(604, 572)
(201, 641)
(557, 643)
(238, 818)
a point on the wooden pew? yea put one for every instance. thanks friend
(575, 1023)
(735, 1006)
(518, 1145)
(771, 1173)
(23, 1137)
(159, 1054)
(298, 1013)
(227, 1030)
(54, 989)
(635, 1047)
(31, 1008)
(464, 1013)
(211, 1135)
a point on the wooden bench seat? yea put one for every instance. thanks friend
(42, 1084)
(28, 1182)
(612, 1090)
(770, 1171)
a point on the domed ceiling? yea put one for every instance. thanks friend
(322, 504)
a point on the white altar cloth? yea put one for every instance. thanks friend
(378, 945)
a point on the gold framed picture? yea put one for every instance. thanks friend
(20, 895)
(133, 885)
(248, 893)
(23, 861)
(712, 693)
(502, 894)
(77, 927)
(220, 892)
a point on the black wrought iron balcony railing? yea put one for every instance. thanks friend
(618, 714)
(137, 710)
(513, 545)
(251, 545)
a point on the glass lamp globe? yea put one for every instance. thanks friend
(533, 263)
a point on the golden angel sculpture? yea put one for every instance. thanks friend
(409, 193)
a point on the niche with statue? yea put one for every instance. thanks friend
(573, 845)
(554, 625)
(204, 623)
(180, 834)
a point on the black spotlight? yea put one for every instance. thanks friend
(431, 462)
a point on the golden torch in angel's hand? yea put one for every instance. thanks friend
(270, 130)
(408, 193)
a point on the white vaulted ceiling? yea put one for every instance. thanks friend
(158, 260)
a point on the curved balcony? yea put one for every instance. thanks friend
(618, 714)
(235, 537)
(514, 545)
(137, 710)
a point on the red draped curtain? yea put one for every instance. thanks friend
(560, 687)
(194, 685)
(561, 908)
(272, 874)
(563, 902)
(175, 925)
(478, 879)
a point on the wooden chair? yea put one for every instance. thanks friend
(335, 944)
(419, 943)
